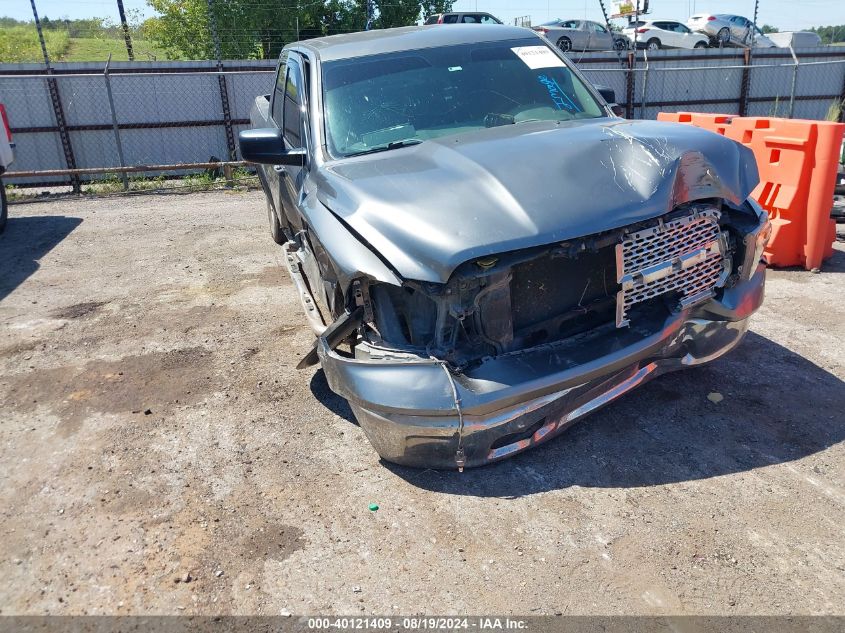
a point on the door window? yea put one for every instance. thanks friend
(450, 19)
(598, 28)
(279, 90)
(294, 101)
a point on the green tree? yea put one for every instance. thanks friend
(767, 28)
(181, 28)
(830, 34)
(260, 29)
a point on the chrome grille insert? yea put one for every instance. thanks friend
(684, 255)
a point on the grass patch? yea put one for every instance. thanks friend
(20, 44)
(112, 183)
(93, 49)
(202, 181)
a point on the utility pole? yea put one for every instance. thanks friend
(369, 15)
(127, 38)
(754, 25)
(56, 100)
(221, 81)
(41, 37)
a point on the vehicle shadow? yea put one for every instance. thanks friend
(25, 241)
(777, 407)
(329, 399)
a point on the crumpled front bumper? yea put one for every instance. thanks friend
(516, 401)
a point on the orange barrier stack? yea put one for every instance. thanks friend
(797, 160)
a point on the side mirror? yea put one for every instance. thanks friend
(609, 95)
(266, 146)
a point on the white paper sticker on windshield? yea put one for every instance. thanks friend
(538, 57)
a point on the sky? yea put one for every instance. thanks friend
(784, 14)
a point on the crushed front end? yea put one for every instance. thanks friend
(516, 347)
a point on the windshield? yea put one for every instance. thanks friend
(385, 101)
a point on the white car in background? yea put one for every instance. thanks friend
(656, 34)
(725, 29)
(6, 158)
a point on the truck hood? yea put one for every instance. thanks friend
(428, 208)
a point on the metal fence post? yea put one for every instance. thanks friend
(221, 82)
(745, 83)
(629, 86)
(842, 103)
(116, 129)
(127, 38)
(609, 30)
(794, 81)
(55, 99)
(645, 85)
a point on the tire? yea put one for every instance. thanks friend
(564, 44)
(620, 45)
(276, 231)
(723, 37)
(4, 207)
(700, 45)
(653, 44)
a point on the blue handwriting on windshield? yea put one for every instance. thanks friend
(558, 96)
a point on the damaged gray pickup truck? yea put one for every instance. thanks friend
(485, 253)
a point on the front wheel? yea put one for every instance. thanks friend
(723, 37)
(653, 44)
(564, 44)
(620, 45)
(4, 207)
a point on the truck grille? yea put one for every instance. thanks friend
(685, 255)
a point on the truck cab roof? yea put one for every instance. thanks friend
(407, 38)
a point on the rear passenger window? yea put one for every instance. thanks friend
(450, 19)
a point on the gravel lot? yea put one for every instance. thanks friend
(160, 453)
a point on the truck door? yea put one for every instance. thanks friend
(289, 112)
(295, 133)
(271, 175)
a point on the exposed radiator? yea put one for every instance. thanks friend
(686, 255)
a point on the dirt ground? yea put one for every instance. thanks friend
(160, 453)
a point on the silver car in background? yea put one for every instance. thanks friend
(581, 35)
(725, 29)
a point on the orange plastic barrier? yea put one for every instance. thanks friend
(797, 160)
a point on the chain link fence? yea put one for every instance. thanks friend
(142, 125)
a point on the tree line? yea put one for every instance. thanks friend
(830, 34)
(249, 29)
(246, 29)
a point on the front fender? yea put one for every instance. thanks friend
(349, 256)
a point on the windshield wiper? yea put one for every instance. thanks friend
(392, 145)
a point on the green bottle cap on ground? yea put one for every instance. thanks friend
(373, 507)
